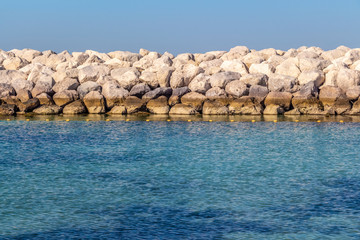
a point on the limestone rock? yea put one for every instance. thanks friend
(7, 109)
(221, 79)
(67, 84)
(273, 110)
(94, 102)
(22, 84)
(214, 108)
(163, 76)
(139, 90)
(157, 93)
(200, 84)
(87, 87)
(194, 100)
(263, 68)
(182, 109)
(6, 76)
(118, 110)
(40, 88)
(258, 92)
(45, 99)
(246, 106)
(217, 93)
(315, 76)
(353, 93)
(177, 93)
(125, 56)
(127, 79)
(289, 67)
(255, 79)
(14, 63)
(280, 83)
(76, 107)
(23, 95)
(347, 78)
(158, 105)
(134, 104)
(235, 66)
(29, 105)
(282, 99)
(48, 110)
(6, 90)
(334, 100)
(64, 97)
(92, 72)
(149, 78)
(236, 88)
(114, 94)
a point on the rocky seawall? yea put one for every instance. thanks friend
(307, 80)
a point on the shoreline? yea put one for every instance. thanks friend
(303, 81)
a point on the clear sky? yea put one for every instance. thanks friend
(177, 25)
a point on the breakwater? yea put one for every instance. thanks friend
(303, 81)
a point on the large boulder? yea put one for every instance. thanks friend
(127, 79)
(236, 88)
(235, 66)
(149, 78)
(76, 107)
(353, 93)
(14, 63)
(334, 100)
(221, 79)
(157, 92)
(281, 83)
(246, 106)
(214, 108)
(6, 76)
(139, 90)
(65, 97)
(194, 100)
(22, 84)
(347, 78)
(87, 87)
(163, 76)
(182, 109)
(258, 92)
(289, 67)
(177, 93)
(67, 84)
(217, 93)
(114, 93)
(200, 84)
(306, 100)
(29, 105)
(282, 99)
(118, 110)
(92, 72)
(255, 79)
(45, 99)
(23, 95)
(42, 87)
(315, 76)
(158, 105)
(48, 110)
(6, 90)
(7, 109)
(94, 102)
(134, 104)
(263, 68)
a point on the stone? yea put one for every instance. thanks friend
(258, 92)
(246, 106)
(149, 78)
(214, 108)
(194, 100)
(334, 100)
(65, 97)
(158, 105)
(189, 72)
(14, 63)
(23, 95)
(6, 90)
(114, 94)
(221, 79)
(292, 112)
(48, 110)
(263, 68)
(182, 109)
(315, 76)
(29, 105)
(134, 104)
(118, 110)
(67, 84)
(94, 102)
(353, 93)
(253, 58)
(177, 93)
(235, 66)
(139, 90)
(309, 64)
(125, 56)
(177, 79)
(200, 84)
(281, 83)
(127, 79)
(22, 84)
(76, 107)
(217, 93)
(7, 109)
(288, 67)
(167, 91)
(273, 110)
(282, 99)
(40, 88)
(236, 88)
(254, 79)
(87, 87)
(347, 78)
(92, 72)
(6, 76)
(45, 99)
(163, 76)
(306, 100)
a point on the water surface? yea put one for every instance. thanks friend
(179, 180)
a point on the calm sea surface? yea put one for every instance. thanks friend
(179, 180)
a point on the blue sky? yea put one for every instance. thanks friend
(177, 25)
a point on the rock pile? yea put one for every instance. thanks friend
(307, 80)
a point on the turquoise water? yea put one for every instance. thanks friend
(179, 180)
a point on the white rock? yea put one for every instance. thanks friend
(236, 88)
(313, 75)
(262, 68)
(200, 84)
(235, 66)
(221, 79)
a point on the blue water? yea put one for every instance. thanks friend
(179, 180)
